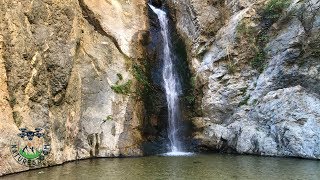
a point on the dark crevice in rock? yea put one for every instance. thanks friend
(156, 3)
(92, 20)
(97, 145)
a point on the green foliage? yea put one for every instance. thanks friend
(190, 96)
(108, 118)
(243, 90)
(254, 43)
(263, 38)
(244, 101)
(123, 88)
(190, 99)
(193, 82)
(258, 61)
(275, 8)
(255, 39)
(241, 28)
(244, 30)
(140, 75)
(231, 67)
(145, 89)
(247, 36)
(255, 102)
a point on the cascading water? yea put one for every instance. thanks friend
(171, 85)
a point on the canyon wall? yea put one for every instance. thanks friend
(66, 66)
(75, 69)
(256, 64)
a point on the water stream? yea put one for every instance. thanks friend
(171, 85)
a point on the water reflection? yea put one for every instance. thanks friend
(214, 166)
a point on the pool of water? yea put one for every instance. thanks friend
(202, 166)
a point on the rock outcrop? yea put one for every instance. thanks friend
(257, 65)
(75, 69)
(66, 66)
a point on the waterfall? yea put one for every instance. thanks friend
(171, 85)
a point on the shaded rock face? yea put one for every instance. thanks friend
(155, 123)
(258, 70)
(59, 61)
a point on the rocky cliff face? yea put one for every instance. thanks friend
(74, 69)
(257, 64)
(66, 66)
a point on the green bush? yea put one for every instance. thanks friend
(244, 101)
(255, 42)
(258, 62)
(190, 99)
(275, 8)
(231, 67)
(123, 88)
(244, 30)
(140, 75)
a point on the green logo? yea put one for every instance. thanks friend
(31, 147)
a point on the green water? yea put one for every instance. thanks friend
(213, 166)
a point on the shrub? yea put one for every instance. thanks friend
(123, 88)
(140, 75)
(244, 101)
(231, 68)
(190, 99)
(258, 62)
(275, 8)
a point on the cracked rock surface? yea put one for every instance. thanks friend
(58, 62)
(259, 75)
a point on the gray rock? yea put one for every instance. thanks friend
(275, 112)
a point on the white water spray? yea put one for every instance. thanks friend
(171, 85)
